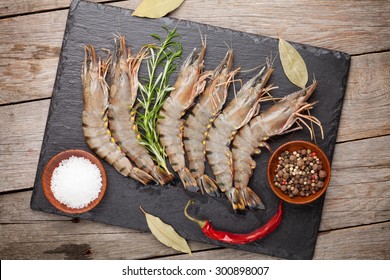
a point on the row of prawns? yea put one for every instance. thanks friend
(227, 136)
(109, 117)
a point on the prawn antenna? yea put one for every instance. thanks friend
(231, 43)
(203, 38)
(253, 69)
(270, 61)
(177, 24)
(116, 35)
(229, 47)
(104, 64)
(234, 85)
(269, 96)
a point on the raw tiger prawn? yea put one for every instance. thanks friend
(121, 111)
(277, 120)
(237, 113)
(189, 84)
(198, 122)
(94, 117)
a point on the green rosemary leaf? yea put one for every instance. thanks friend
(161, 63)
(156, 36)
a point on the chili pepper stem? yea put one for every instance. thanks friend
(201, 223)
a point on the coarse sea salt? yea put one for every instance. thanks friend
(76, 182)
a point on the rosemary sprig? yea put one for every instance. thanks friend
(160, 64)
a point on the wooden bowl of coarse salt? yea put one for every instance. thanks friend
(74, 181)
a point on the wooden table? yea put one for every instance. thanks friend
(356, 217)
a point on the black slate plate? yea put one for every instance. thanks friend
(90, 23)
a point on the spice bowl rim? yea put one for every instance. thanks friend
(54, 163)
(292, 146)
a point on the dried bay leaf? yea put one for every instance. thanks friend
(293, 65)
(156, 8)
(166, 234)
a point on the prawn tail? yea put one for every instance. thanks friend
(251, 199)
(161, 175)
(188, 180)
(236, 200)
(208, 185)
(141, 176)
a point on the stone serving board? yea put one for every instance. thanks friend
(97, 24)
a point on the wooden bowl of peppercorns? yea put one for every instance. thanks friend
(299, 172)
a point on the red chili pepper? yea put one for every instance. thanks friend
(237, 238)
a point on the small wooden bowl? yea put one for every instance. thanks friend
(293, 146)
(54, 163)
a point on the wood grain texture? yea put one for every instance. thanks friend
(26, 79)
(361, 243)
(17, 7)
(343, 27)
(29, 55)
(351, 26)
(366, 105)
(21, 133)
(28, 234)
(359, 190)
(48, 236)
(15, 208)
(31, 44)
(67, 240)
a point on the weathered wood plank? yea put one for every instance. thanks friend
(366, 105)
(364, 242)
(49, 236)
(21, 133)
(342, 26)
(84, 240)
(360, 243)
(16, 7)
(27, 79)
(359, 190)
(31, 44)
(15, 208)
(29, 55)
(87, 240)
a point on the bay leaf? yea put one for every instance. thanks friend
(166, 234)
(293, 65)
(156, 8)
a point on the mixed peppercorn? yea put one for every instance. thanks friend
(299, 173)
